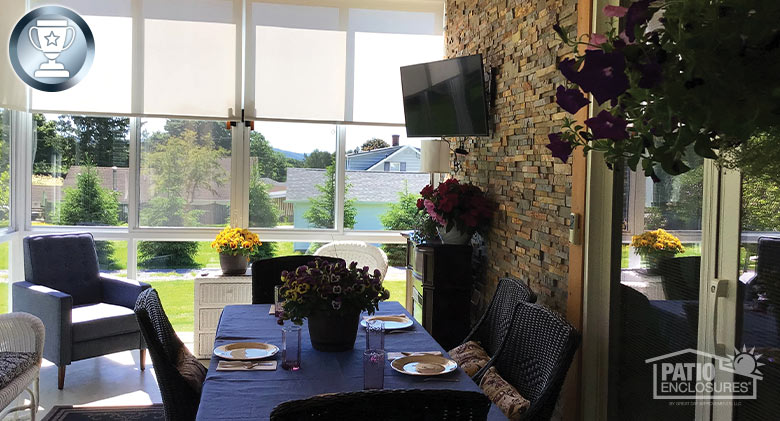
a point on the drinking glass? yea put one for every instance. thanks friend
(375, 334)
(278, 301)
(291, 347)
(373, 369)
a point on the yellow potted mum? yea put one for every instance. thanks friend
(655, 246)
(234, 246)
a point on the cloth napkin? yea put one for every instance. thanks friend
(247, 365)
(394, 355)
(272, 310)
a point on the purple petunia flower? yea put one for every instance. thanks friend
(561, 149)
(636, 15)
(570, 100)
(607, 126)
(604, 74)
(614, 11)
(568, 70)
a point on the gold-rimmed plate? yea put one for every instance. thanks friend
(424, 365)
(391, 322)
(246, 351)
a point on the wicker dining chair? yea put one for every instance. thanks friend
(21, 350)
(179, 375)
(267, 273)
(535, 357)
(491, 328)
(387, 405)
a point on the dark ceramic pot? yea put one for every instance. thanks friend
(333, 331)
(233, 265)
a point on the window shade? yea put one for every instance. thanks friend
(337, 60)
(12, 90)
(154, 57)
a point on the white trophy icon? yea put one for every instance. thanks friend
(52, 35)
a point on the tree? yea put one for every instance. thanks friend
(262, 211)
(374, 143)
(178, 166)
(760, 204)
(103, 139)
(91, 204)
(270, 163)
(319, 159)
(49, 144)
(322, 207)
(204, 129)
(402, 215)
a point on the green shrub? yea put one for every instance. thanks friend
(167, 254)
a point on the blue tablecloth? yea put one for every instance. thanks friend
(252, 395)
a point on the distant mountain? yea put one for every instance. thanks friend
(293, 155)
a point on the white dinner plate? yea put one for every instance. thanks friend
(391, 322)
(424, 365)
(246, 351)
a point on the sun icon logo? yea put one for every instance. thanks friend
(745, 362)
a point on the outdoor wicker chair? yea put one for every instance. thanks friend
(267, 273)
(491, 328)
(356, 251)
(535, 357)
(21, 351)
(386, 405)
(180, 394)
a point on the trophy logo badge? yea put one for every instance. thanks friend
(52, 36)
(59, 36)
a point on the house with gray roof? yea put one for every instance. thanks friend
(373, 192)
(391, 159)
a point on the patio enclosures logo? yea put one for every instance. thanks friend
(685, 375)
(51, 48)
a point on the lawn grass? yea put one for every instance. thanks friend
(4, 287)
(397, 291)
(178, 298)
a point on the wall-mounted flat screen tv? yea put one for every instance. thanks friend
(445, 98)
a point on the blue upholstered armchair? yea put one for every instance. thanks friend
(86, 314)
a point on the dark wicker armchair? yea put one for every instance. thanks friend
(387, 405)
(169, 355)
(491, 328)
(266, 274)
(535, 357)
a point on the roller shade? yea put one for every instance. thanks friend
(338, 61)
(12, 89)
(155, 57)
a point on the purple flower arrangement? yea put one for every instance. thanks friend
(330, 287)
(679, 78)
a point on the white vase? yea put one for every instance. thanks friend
(455, 236)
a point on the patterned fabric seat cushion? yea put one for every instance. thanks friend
(504, 395)
(470, 357)
(13, 364)
(193, 372)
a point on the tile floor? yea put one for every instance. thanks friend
(110, 380)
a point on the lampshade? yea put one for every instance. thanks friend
(435, 156)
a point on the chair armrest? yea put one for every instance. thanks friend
(21, 332)
(120, 291)
(54, 309)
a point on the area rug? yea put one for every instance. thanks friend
(107, 413)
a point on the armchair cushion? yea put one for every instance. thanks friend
(504, 395)
(193, 372)
(65, 262)
(470, 357)
(13, 364)
(101, 320)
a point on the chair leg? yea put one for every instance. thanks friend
(143, 359)
(61, 377)
(34, 396)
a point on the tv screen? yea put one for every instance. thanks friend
(445, 98)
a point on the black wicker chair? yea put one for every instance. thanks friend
(387, 405)
(180, 400)
(491, 328)
(535, 357)
(266, 274)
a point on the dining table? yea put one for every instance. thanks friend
(253, 394)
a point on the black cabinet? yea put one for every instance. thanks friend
(439, 285)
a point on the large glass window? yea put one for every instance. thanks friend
(5, 286)
(185, 168)
(293, 176)
(80, 170)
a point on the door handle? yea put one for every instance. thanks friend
(719, 288)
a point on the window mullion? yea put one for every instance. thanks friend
(133, 199)
(239, 176)
(341, 142)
